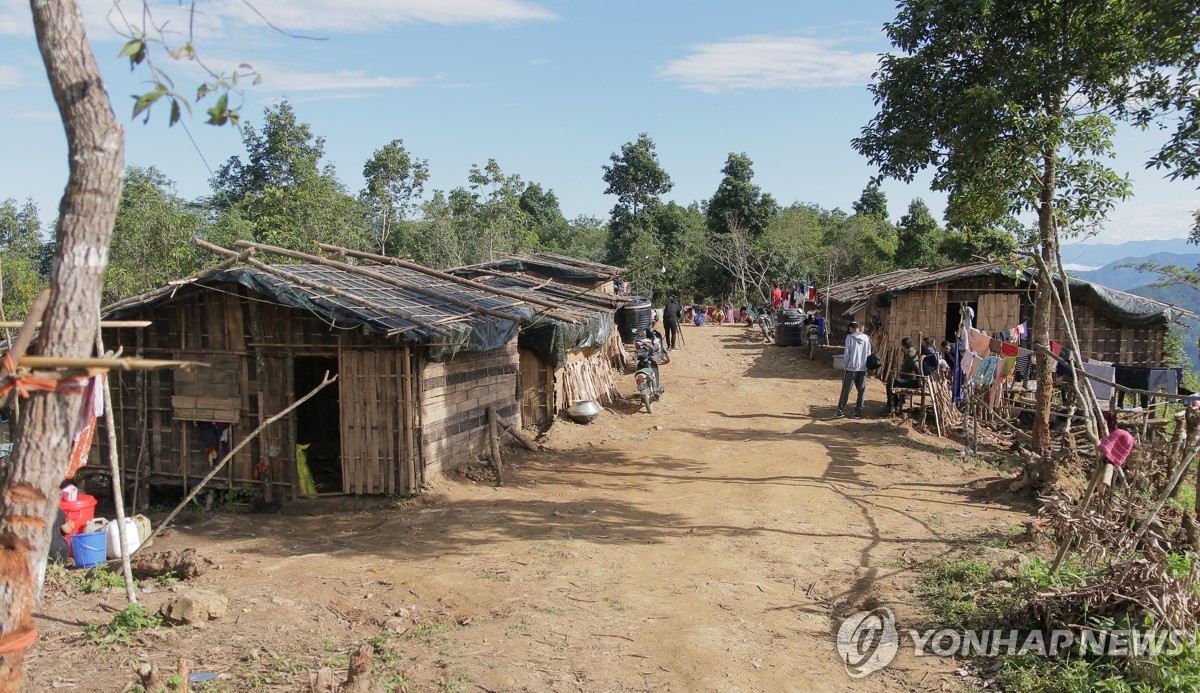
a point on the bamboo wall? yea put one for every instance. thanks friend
(455, 395)
(251, 347)
(536, 385)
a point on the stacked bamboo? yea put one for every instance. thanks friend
(591, 378)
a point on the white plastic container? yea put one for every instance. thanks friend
(132, 541)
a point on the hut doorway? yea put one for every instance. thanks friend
(318, 423)
(954, 315)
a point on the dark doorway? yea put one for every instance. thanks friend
(318, 423)
(953, 315)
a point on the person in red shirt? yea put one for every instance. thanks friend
(777, 297)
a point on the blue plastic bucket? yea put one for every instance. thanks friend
(89, 550)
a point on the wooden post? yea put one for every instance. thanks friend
(494, 442)
(115, 468)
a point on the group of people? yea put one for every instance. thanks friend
(914, 365)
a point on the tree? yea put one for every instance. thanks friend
(544, 214)
(1012, 105)
(638, 181)
(918, 238)
(395, 182)
(152, 236)
(282, 191)
(20, 256)
(872, 202)
(738, 201)
(95, 142)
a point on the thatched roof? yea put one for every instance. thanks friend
(1119, 305)
(413, 304)
(551, 265)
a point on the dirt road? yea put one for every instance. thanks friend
(710, 546)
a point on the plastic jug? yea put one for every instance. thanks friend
(132, 541)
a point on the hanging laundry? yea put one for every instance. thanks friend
(1023, 330)
(1164, 380)
(1055, 348)
(1024, 372)
(1008, 349)
(1134, 378)
(813, 295)
(979, 342)
(1101, 369)
(91, 407)
(995, 346)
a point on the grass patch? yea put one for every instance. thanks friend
(123, 626)
(98, 579)
(954, 591)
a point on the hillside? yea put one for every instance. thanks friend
(1118, 275)
(1184, 297)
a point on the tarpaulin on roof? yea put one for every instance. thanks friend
(553, 341)
(1123, 307)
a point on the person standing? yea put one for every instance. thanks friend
(672, 314)
(858, 347)
(910, 369)
(777, 297)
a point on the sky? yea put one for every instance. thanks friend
(548, 88)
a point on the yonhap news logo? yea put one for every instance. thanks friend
(868, 641)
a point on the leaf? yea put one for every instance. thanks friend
(175, 114)
(147, 100)
(219, 114)
(135, 49)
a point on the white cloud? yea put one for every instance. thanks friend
(316, 16)
(770, 62)
(10, 77)
(284, 80)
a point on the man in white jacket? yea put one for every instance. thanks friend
(858, 347)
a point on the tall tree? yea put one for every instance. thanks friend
(872, 202)
(282, 191)
(395, 182)
(95, 144)
(739, 201)
(918, 238)
(1011, 103)
(638, 181)
(544, 213)
(21, 248)
(151, 241)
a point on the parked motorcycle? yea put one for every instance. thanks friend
(812, 334)
(647, 376)
(766, 322)
(654, 340)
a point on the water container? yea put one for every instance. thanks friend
(143, 526)
(789, 328)
(89, 549)
(132, 540)
(633, 317)
(80, 511)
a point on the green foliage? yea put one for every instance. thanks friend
(152, 235)
(126, 623)
(98, 579)
(21, 248)
(739, 201)
(952, 588)
(919, 239)
(395, 182)
(282, 195)
(636, 177)
(872, 202)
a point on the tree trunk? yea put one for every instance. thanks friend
(89, 205)
(1043, 305)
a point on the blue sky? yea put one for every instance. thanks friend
(548, 88)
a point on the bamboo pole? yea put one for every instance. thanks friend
(103, 323)
(119, 364)
(191, 278)
(301, 281)
(114, 467)
(390, 280)
(228, 456)
(384, 259)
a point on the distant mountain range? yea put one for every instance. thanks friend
(1094, 255)
(1115, 275)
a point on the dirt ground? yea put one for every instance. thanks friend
(710, 546)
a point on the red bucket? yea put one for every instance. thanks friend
(80, 511)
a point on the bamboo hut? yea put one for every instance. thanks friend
(1113, 326)
(420, 356)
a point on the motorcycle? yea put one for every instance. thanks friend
(812, 333)
(766, 323)
(654, 341)
(646, 375)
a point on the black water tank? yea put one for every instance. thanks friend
(633, 317)
(789, 328)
